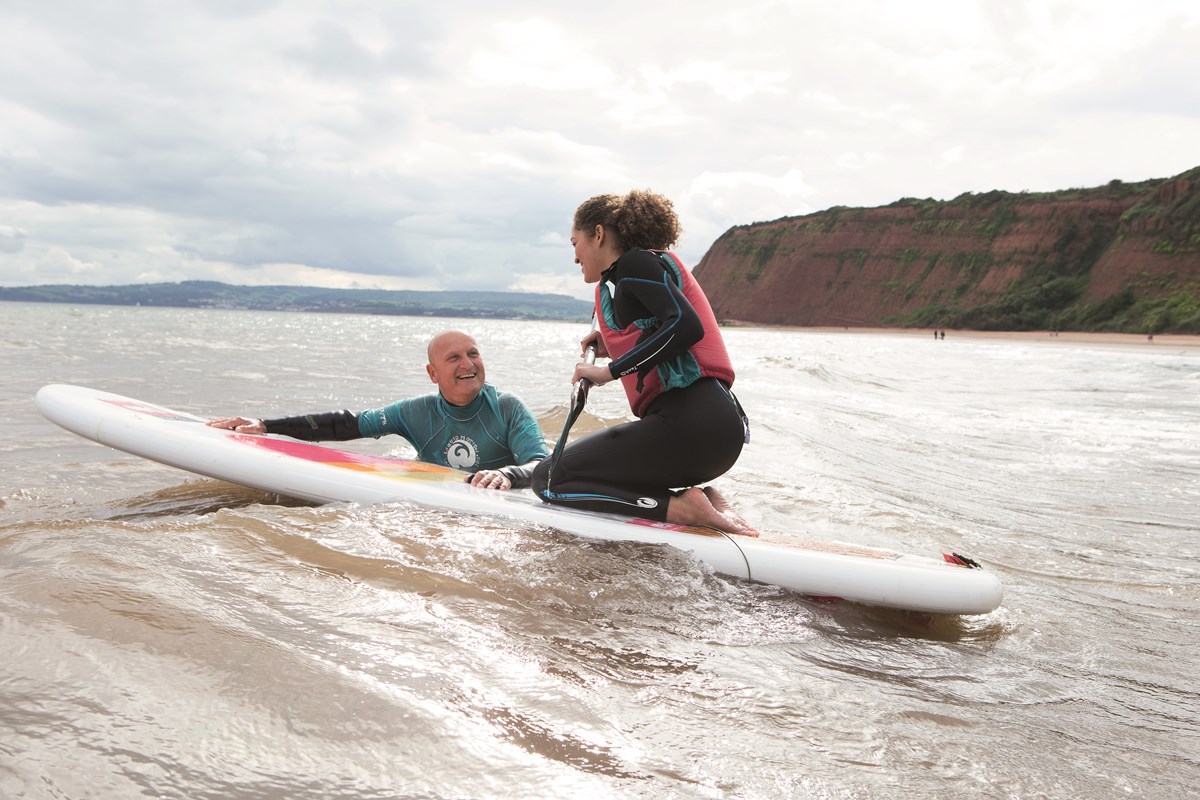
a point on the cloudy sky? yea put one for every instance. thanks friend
(446, 145)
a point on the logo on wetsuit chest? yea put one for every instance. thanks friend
(461, 453)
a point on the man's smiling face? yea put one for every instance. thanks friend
(456, 366)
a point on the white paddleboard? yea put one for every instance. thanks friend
(325, 474)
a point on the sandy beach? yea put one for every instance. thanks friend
(1048, 337)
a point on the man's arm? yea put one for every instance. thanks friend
(519, 474)
(526, 443)
(337, 426)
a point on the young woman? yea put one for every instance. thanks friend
(658, 330)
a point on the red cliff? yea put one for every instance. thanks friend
(1117, 257)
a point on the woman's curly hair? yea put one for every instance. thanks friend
(640, 219)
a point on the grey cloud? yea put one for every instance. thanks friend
(339, 244)
(12, 240)
(333, 52)
(1157, 78)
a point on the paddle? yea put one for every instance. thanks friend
(579, 393)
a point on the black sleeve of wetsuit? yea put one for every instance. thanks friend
(645, 289)
(331, 425)
(519, 474)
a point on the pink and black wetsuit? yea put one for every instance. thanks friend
(666, 348)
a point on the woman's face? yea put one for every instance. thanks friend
(588, 252)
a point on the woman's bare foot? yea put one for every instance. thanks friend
(718, 500)
(695, 507)
(728, 511)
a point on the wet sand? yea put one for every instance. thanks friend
(1049, 337)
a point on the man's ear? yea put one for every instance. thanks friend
(432, 372)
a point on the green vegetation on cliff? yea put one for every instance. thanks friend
(1049, 296)
(1122, 257)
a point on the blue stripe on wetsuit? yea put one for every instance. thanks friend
(676, 371)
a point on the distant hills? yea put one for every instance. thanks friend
(1122, 257)
(213, 294)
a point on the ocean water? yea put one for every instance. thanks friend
(170, 636)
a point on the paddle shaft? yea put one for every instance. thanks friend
(579, 393)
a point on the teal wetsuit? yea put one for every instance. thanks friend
(493, 431)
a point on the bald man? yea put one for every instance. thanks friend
(467, 424)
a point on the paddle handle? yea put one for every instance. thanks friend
(580, 390)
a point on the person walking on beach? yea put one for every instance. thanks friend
(658, 330)
(467, 424)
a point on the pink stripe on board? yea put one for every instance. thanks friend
(153, 411)
(391, 467)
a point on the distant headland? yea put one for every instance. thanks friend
(213, 294)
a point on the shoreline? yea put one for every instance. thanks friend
(1047, 337)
